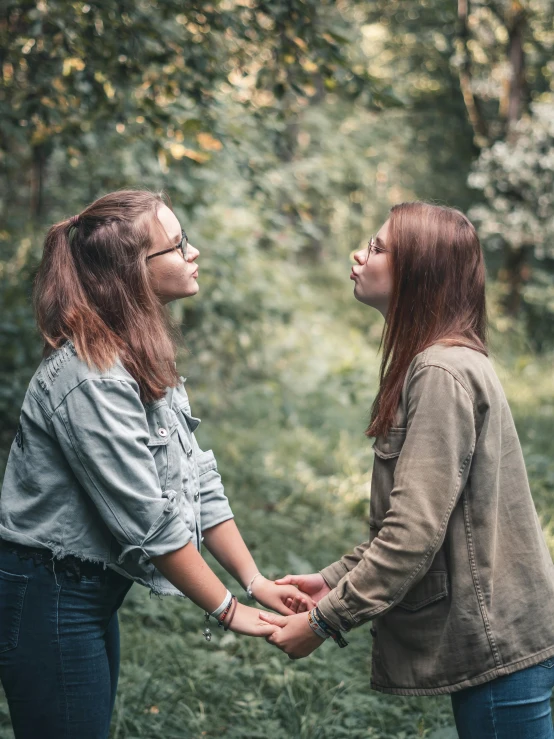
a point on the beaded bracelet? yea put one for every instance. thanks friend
(224, 604)
(220, 614)
(231, 614)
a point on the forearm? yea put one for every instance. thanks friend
(186, 569)
(226, 544)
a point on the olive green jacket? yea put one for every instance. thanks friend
(456, 575)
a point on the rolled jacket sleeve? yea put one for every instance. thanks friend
(102, 428)
(431, 471)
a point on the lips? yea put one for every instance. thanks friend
(353, 275)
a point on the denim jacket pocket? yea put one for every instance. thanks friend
(161, 425)
(433, 587)
(548, 663)
(12, 595)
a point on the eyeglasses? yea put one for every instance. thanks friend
(183, 246)
(374, 248)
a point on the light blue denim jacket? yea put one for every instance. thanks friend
(95, 473)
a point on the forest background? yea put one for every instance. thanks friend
(283, 131)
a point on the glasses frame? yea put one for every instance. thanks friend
(183, 246)
(373, 248)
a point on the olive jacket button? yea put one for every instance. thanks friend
(162, 432)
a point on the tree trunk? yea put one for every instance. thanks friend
(473, 107)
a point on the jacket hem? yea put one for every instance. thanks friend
(484, 677)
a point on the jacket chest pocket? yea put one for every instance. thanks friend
(163, 444)
(387, 450)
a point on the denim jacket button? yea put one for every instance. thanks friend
(196, 496)
(162, 432)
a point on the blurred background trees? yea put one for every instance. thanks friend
(283, 131)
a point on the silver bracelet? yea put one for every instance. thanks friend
(249, 593)
(226, 601)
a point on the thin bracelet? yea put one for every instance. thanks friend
(249, 593)
(224, 604)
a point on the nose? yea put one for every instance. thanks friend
(192, 253)
(359, 256)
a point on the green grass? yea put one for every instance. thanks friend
(296, 466)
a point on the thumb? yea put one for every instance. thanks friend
(288, 580)
(273, 618)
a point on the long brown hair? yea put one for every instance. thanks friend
(93, 288)
(438, 295)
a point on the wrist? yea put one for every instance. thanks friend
(256, 578)
(320, 627)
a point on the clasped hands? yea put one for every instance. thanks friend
(292, 596)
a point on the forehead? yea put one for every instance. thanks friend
(383, 231)
(169, 221)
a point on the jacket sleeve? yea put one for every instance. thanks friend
(214, 505)
(337, 570)
(430, 474)
(103, 431)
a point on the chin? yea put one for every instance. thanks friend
(191, 291)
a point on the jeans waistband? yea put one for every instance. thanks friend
(76, 568)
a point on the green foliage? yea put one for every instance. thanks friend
(516, 178)
(283, 132)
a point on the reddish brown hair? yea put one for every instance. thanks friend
(93, 288)
(438, 295)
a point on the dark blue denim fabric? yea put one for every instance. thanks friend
(59, 649)
(515, 706)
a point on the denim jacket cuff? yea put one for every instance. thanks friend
(167, 534)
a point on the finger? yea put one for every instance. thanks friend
(287, 580)
(267, 630)
(302, 607)
(284, 610)
(273, 618)
(289, 601)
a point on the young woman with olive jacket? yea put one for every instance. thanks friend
(455, 576)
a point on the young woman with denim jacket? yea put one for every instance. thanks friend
(105, 483)
(455, 576)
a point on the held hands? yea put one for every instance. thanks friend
(293, 634)
(311, 589)
(281, 596)
(291, 596)
(247, 621)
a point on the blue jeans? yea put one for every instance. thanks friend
(59, 649)
(515, 706)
